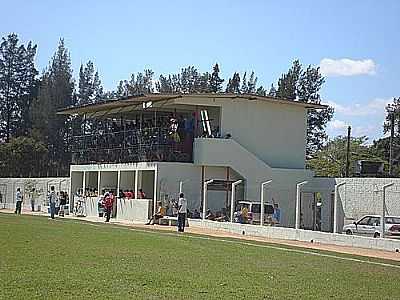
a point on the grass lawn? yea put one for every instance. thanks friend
(46, 259)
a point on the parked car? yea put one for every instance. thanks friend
(370, 225)
(254, 211)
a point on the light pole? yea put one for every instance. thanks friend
(299, 185)
(335, 206)
(383, 208)
(205, 196)
(262, 201)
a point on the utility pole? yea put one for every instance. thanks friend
(348, 151)
(391, 143)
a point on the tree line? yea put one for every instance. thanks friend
(34, 139)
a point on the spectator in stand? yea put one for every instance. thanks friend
(130, 194)
(108, 204)
(18, 201)
(141, 194)
(276, 217)
(53, 199)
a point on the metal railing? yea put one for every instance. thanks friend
(142, 145)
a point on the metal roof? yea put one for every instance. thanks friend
(133, 102)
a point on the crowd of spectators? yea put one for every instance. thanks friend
(165, 138)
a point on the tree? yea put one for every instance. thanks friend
(141, 83)
(233, 84)
(215, 80)
(18, 86)
(252, 84)
(243, 88)
(304, 85)
(22, 157)
(331, 160)
(287, 84)
(308, 87)
(90, 88)
(261, 91)
(56, 91)
(272, 91)
(393, 108)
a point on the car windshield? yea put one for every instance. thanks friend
(392, 220)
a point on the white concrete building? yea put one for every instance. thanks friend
(224, 137)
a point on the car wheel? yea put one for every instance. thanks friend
(349, 232)
(377, 234)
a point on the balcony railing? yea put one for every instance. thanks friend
(141, 145)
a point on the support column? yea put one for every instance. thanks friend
(98, 182)
(298, 195)
(384, 208)
(335, 206)
(118, 183)
(136, 183)
(262, 201)
(155, 192)
(233, 197)
(84, 184)
(205, 197)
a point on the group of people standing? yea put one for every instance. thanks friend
(55, 200)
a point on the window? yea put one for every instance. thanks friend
(391, 220)
(364, 221)
(374, 221)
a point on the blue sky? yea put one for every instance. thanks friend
(355, 42)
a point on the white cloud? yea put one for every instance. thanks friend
(337, 125)
(373, 107)
(347, 67)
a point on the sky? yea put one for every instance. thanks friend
(356, 43)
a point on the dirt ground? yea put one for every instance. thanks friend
(395, 256)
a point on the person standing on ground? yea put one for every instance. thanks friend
(108, 204)
(52, 197)
(33, 195)
(18, 201)
(182, 210)
(63, 202)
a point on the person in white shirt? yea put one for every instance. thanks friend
(182, 209)
(18, 201)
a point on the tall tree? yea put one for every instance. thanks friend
(304, 85)
(141, 83)
(233, 84)
(17, 86)
(272, 91)
(252, 84)
(287, 84)
(55, 92)
(243, 88)
(308, 87)
(90, 88)
(215, 80)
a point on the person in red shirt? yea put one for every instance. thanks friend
(108, 204)
(141, 194)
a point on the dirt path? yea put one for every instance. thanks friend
(219, 233)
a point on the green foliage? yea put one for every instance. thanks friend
(215, 80)
(233, 84)
(22, 157)
(330, 161)
(18, 86)
(141, 83)
(287, 84)
(90, 89)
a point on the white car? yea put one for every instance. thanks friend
(370, 225)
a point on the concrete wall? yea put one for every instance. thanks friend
(8, 187)
(300, 235)
(134, 210)
(274, 132)
(169, 176)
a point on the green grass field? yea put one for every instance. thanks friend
(45, 259)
